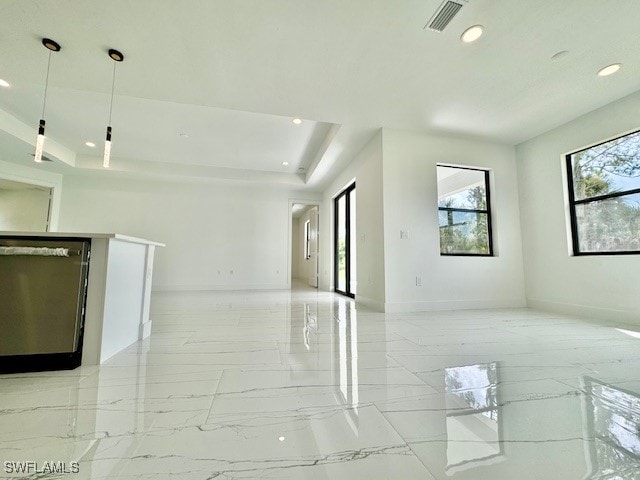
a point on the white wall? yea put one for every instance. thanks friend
(411, 204)
(603, 286)
(40, 177)
(25, 209)
(211, 230)
(366, 170)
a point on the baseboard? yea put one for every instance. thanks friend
(410, 307)
(370, 303)
(590, 311)
(205, 288)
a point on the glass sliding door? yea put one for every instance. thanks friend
(345, 242)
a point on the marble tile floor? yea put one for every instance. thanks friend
(304, 385)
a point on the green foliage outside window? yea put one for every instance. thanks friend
(466, 232)
(611, 170)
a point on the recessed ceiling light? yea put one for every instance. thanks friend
(4, 83)
(285, 164)
(281, 439)
(610, 70)
(472, 34)
(297, 121)
(90, 144)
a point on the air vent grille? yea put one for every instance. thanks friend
(444, 15)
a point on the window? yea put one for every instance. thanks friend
(307, 239)
(604, 197)
(344, 246)
(464, 209)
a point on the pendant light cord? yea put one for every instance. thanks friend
(46, 84)
(113, 86)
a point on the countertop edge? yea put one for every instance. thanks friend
(114, 236)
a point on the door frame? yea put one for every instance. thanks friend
(314, 203)
(346, 192)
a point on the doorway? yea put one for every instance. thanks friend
(305, 230)
(24, 207)
(345, 242)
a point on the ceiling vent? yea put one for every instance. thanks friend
(445, 14)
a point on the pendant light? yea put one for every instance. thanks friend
(52, 46)
(116, 56)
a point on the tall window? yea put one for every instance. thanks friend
(307, 238)
(464, 209)
(604, 197)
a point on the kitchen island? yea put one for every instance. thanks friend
(72, 299)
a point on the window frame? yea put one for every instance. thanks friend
(307, 239)
(487, 183)
(573, 218)
(346, 193)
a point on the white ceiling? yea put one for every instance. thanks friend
(232, 74)
(299, 209)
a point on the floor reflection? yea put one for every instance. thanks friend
(345, 357)
(612, 420)
(310, 324)
(473, 416)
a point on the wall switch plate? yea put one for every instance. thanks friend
(418, 281)
(404, 234)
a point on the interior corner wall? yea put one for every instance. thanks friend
(219, 236)
(600, 286)
(366, 170)
(411, 205)
(40, 177)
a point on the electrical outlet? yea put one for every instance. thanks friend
(418, 281)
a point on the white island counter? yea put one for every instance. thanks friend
(118, 290)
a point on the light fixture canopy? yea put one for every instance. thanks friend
(117, 57)
(472, 34)
(52, 46)
(609, 70)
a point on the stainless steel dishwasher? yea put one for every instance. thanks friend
(43, 285)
